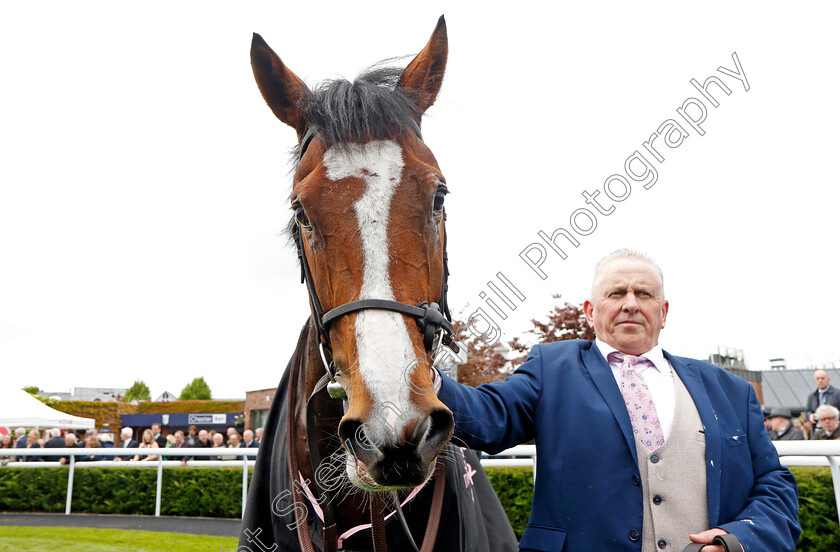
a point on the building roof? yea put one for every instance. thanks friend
(790, 388)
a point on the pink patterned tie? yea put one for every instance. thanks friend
(638, 400)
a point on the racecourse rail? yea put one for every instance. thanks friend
(792, 453)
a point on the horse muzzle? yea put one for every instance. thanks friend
(382, 458)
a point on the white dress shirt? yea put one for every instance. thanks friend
(659, 379)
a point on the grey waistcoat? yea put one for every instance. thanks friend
(674, 486)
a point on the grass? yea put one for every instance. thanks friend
(71, 539)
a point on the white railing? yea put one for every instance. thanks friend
(791, 453)
(245, 455)
(813, 453)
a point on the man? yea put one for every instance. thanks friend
(825, 394)
(782, 427)
(180, 442)
(248, 439)
(693, 462)
(69, 442)
(54, 440)
(258, 433)
(192, 436)
(126, 441)
(20, 437)
(203, 441)
(159, 439)
(827, 416)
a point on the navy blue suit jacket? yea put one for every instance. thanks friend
(587, 494)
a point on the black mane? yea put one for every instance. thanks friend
(371, 107)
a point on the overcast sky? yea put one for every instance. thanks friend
(144, 182)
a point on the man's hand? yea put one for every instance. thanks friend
(706, 537)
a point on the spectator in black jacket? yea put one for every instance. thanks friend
(69, 442)
(126, 441)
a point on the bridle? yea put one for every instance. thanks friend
(433, 318)
(434, 322)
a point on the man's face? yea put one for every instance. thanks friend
(202, 436)
(628, 309)
(179, 437)
(821, 379)
(779, 423)
(248, 435)
(155, 428)
(828, 422)
(218, 439)
(69, 441)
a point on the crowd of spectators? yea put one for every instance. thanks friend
(150, 438)
(819, 420)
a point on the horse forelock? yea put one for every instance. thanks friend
(370, 108)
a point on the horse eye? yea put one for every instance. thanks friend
(440, 196)
(301, 218)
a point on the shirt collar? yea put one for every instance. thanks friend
(655, 355)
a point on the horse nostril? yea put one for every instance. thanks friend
(355, 439)
(442, 426)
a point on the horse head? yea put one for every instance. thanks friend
(368, 197)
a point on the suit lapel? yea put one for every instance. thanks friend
(690, 376)
(602, 376)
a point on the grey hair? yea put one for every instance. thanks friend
(827, 409)
(127, 431)
(625, 253)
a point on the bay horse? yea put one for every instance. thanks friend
(356, 453)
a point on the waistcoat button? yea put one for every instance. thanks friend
(661, 543)
(657, 500)
(654, 458)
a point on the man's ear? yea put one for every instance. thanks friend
(664, 314)
(588, 309)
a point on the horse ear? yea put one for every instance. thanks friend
(282, 90)
(424, 75)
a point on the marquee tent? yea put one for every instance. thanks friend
(20, 409)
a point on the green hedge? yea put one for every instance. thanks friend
(817, 508)
(204, 492)
(217, 492)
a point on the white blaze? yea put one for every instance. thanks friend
(384, 348)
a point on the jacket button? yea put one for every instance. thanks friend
(657, 500)
(636, 480)
(654, 458)
(634, 535)
(661, 543)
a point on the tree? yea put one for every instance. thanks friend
(485, 362)
(197, 389)
(566, 322)
(31, 389)
(139, 391)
